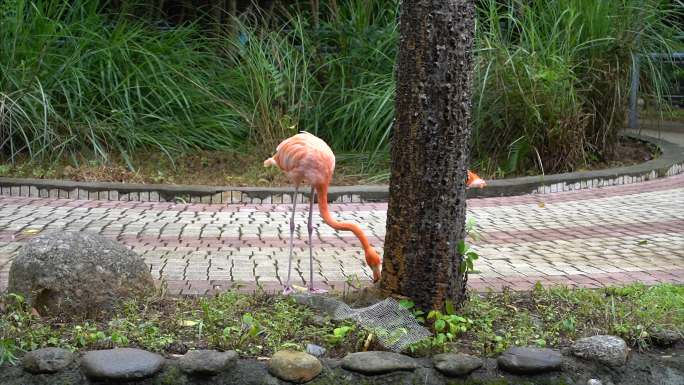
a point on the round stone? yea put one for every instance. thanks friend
(665, 338)
(378, 362)
(608, 350)
(47, 360)
(456, 364)
(294, 366)
(77, 274)
(207, 362)
(315, 350)
(122, 364)
(529, 360)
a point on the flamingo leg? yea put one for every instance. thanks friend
(288, 288)
(309, 228)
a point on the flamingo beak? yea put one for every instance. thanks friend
(376, 273)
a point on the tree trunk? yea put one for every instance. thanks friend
(430, 151)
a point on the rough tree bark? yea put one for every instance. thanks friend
(430, 151)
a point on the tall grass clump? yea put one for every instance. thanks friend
(74, 80)
(356, 105)
(553, 79)
(271, 79)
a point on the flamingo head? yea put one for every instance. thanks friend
(474, 181)
(375, 263)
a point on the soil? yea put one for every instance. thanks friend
(628, 151)
(214, 168)
(210, 168)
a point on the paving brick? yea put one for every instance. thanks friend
(590, 238)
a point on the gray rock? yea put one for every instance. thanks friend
(378, 362)
(608, 350)
(294, 366)
(315, 350)
(665, 338)
(47, 360)
(529, 360)
(78, 274)
(270, 380)
(456, 364)
(594, 381)
(207, 362)
(122, 364)
(319, 320)
(321, 303)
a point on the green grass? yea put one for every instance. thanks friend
(557, 316)
(77, 81)
(258, 324)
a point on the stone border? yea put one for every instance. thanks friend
(671, 162)
(589, 360)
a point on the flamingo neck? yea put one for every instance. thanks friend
(322, 191)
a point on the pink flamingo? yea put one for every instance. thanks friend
(474, 181)
(305, 158)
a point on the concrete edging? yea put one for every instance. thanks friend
(671, 162)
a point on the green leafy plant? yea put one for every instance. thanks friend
(410, 305)
(468, 253)
(448, 325)
(339, 334)
(469, 258)
(8, 351)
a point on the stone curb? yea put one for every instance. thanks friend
(671, 162)
(524, 364)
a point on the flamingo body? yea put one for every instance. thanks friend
(304, 158)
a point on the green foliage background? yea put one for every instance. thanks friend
(550, 88)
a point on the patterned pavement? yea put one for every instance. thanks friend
(586, 238)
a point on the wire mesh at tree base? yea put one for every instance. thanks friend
(393, 325)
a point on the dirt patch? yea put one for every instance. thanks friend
(627, 152)
(215, 168)
(210, 168)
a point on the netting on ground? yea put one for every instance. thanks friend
(394, 326)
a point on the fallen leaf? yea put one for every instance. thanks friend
(541, 205)
(188, 323)
(366, 344)
(515, 309)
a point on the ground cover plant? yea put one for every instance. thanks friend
(259, 324)
(83, 82)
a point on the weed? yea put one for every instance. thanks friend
(258, 324)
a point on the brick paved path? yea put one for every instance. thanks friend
(586, 238)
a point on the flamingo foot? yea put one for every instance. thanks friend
(314, 290)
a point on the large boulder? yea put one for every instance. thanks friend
(78, 274)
